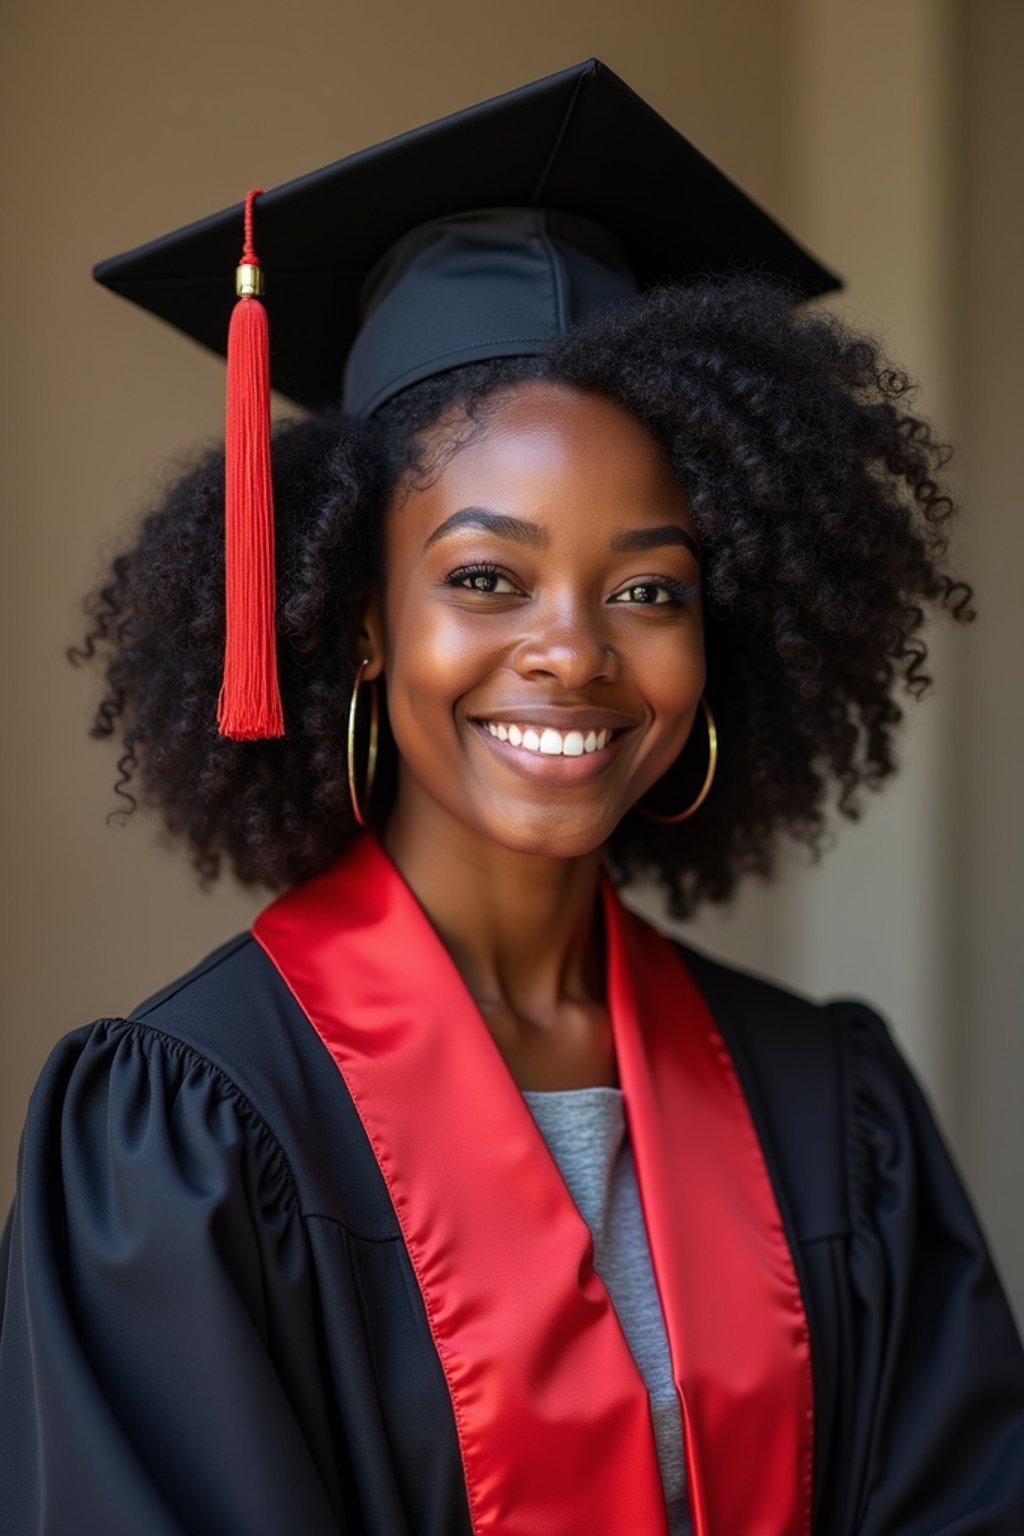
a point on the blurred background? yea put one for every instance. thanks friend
(887, 137)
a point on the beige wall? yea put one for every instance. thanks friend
(986, 737)
(127, 119)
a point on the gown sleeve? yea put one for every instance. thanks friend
(153, 1241)
(938, 1441)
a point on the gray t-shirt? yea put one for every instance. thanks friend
(585, 1130)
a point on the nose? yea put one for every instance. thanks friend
(567, 641)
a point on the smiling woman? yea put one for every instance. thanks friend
(453, 1197)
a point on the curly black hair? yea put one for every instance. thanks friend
(823, 528)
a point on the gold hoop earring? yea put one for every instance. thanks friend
(371, 762)
(712, 761)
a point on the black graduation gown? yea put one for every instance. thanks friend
(210, 1323)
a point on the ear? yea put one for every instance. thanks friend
(370, 637)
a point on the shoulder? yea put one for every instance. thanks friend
(130, 1130)
(236, 1011)
(236, 966)
(181, 1043)
(224, 1051)
(818, 1076)
(233, 1010)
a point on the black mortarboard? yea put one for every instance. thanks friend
(484, 234)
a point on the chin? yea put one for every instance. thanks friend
(551, 837)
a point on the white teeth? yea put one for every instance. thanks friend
(549, 742)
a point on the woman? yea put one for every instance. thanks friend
(454, 1197)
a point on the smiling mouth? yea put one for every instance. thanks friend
(548, 742)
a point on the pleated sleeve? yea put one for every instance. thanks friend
(938, 1434)
(151, 1267)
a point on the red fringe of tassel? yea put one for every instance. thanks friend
(249, 706)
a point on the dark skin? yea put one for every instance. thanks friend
(565, 601)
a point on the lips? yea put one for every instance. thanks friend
(556, 745)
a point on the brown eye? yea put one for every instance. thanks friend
(482, 578)
(655, 593)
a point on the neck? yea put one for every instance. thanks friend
(521, 928)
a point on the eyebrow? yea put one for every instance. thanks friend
(520, 531)
(499, 523)
(636, 540)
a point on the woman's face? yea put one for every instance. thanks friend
(540, 630)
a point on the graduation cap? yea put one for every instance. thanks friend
(484, 234)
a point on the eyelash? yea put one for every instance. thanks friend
(679, 592)
(465, 572)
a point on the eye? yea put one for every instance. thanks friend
(482, 578)
(653, 593)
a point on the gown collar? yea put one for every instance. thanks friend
(551, 1411)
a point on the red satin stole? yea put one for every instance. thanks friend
(551, 1411)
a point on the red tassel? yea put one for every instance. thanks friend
(249, 706)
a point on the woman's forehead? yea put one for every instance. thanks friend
(542, 448)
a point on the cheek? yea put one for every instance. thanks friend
(436, 657)
(670, 667)
(670, 672)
